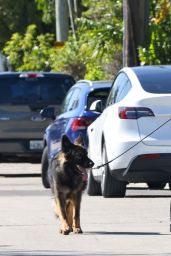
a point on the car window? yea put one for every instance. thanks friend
(123, 90)
(155, 82)
(98, 94)
(46, 90)
(120, 88)
(71, 100)
(66, 101)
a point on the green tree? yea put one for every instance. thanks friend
(16, 15)
(97, 51)
(30, 51)
(159, 48)
(95, 54)
(48, 10)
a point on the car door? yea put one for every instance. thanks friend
(105, 128)
(62, 122)
(113, 128)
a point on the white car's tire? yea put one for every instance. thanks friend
(93, 187)
(156, 185)
(110, 187)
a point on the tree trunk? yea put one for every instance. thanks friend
(135, 16)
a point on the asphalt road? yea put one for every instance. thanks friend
(135, 225)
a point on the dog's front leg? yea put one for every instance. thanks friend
(61, 206)
(76, 214)
(69, 211)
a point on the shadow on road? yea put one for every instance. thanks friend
(19, 175)
(123, 233)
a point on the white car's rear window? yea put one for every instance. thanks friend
(154, 79)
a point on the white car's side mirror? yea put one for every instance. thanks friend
(96, 106)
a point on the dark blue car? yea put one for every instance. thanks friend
(74, 118)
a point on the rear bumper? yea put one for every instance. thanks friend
(146, 168)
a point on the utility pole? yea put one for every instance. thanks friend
(62, 20)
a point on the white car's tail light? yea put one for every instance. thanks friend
(134, 112)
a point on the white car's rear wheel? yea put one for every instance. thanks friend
(110, 187)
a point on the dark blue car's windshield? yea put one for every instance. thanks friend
(17, 90)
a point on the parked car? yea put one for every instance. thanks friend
(23, 95)
(131, 140)
(74, 118)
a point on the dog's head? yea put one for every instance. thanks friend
(75, 153)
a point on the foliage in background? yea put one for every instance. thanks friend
(16, 15)
(48, 9)
(159, 49)
(30, 51)
(95, 54)
(97, 51)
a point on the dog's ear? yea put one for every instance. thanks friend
(65, 144)
(79, 140)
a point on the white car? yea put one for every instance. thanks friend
(131, 140)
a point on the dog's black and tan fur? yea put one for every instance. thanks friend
(67, 175)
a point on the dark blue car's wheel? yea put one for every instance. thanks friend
(44, 168)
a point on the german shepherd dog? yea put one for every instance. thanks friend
(68, 179)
